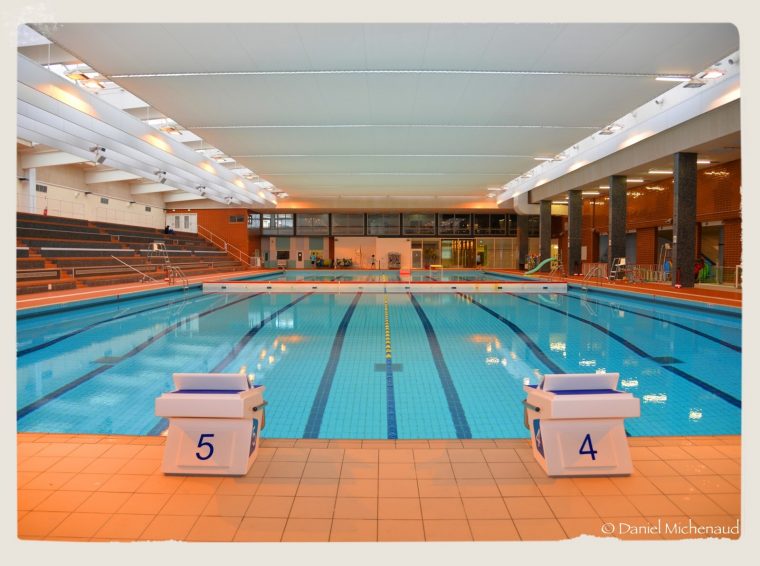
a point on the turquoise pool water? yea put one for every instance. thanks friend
(457, 366)
(383, 275)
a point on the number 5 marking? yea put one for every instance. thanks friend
(591, 452)
(201, 444)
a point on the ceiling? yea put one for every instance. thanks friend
(336, 114)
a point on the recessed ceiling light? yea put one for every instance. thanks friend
(589, 193)
(705, 162)
(604, 187)
(543, 158)
(559, 202)
(77, 76)
(170, 130)
(634, 180)
(93, 84)
(495, 189)
(673, 78)
(712, 74)
(660, 172)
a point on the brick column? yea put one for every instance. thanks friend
(545, 232)
(522, 240)
(617, 218)
(574, 238)
(684, 217)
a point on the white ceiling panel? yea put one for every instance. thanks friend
(325, 76)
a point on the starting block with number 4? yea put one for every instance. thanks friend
(576, 424)
(214, 424)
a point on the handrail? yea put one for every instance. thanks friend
(145, 275)
(597, 269)
(224, 245)
(175, 272)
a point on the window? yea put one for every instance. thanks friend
(489, 224)
(277, 224)
(533, 226)
(347, 224)
(103, 200)
(384, 224)
(417, 223)
(41, 188)
(147, 209)
(283, 254)
(453, 224)
(237, 219)
(254, 223)
(313, 224)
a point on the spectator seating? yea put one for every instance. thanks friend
(54, 253)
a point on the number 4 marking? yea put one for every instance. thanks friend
(208, 445)
(591, 452)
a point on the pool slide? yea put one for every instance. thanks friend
(540, 265)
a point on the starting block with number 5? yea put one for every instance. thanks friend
(576, 424)
(214, 424)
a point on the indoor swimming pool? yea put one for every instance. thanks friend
(382, 275)
(456, 367)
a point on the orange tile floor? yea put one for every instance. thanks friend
(111, 488)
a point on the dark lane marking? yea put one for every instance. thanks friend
(537, 351)
(687, 328)
(461, 426)
(31, 349)
(706, 386)
(20, 413)
(691, 378)
(232, 354)
(390, 397)
(323, 391)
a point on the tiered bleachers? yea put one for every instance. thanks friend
(62, 253)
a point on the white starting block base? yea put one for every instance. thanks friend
(576, 424)
(214, 424)
(211, 446)
(581, 448)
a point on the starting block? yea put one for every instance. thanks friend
(214, 423)
(576, 424)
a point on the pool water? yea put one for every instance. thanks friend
(383, 275)
(457, 366)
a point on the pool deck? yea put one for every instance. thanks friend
(111, 488)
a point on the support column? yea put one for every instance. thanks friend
(617, 219)
(31, 187)
(574, 239)
(684, 217)
(522, 240)
(545, 232)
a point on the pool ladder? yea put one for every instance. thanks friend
(174, 273)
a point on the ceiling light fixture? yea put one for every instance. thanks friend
(611, 129)
(634, 180)
(171, 130)
(161, 176)
(712, 74)
(543, 158)
(99, 152)
(660, 172)
(495, 189)
(605, 187)
(705, 162)
(559, 202)
(93, 84)
(695, 83)
(590, 193)
(673, 78)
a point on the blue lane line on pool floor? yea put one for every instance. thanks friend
(323, 391)
(537, 351)
(461, 426)
(652, 317)
(691, 378)
(137, 349)
(390, 397)
(248, 336)
(37, 347)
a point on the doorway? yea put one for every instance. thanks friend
(417, 258)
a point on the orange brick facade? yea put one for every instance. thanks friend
(651, 206)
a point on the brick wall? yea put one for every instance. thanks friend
(732, 243)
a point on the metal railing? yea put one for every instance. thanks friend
(144, 275)
(174, 273)
(224, 245)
